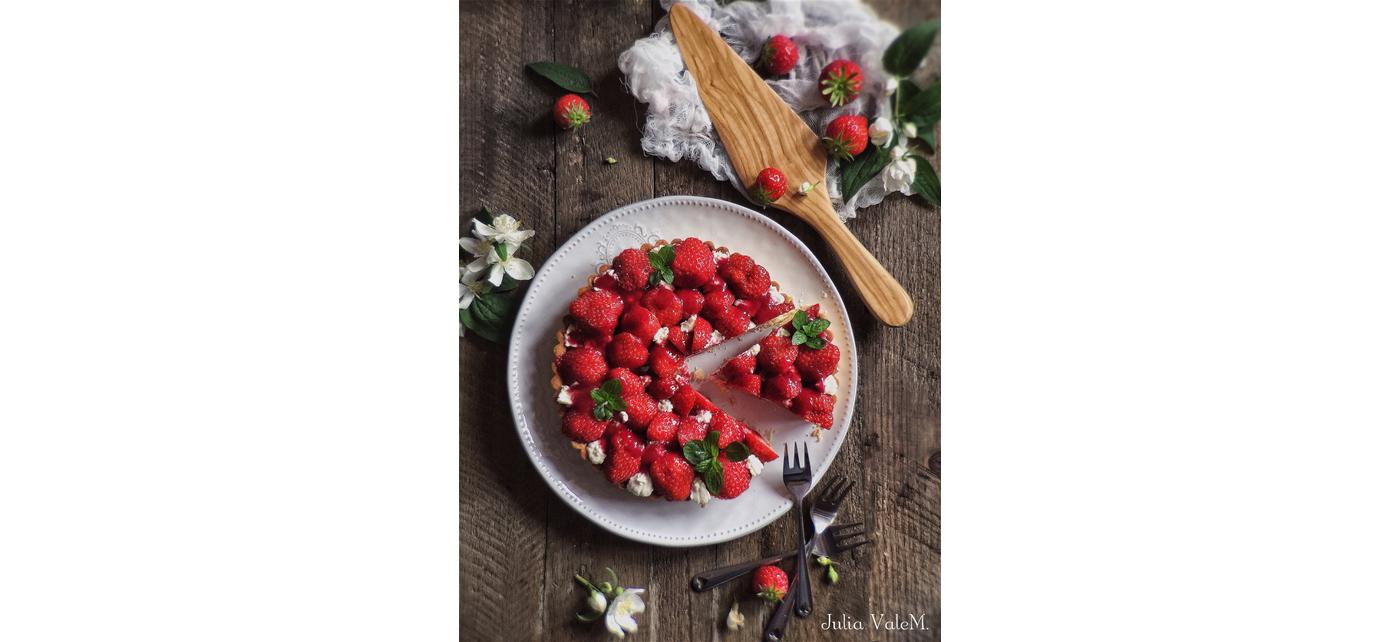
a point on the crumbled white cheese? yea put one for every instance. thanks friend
(665, 405)
(689, 324)
(782, 332)
(639, 485)
(569, 338)
(565, 398)
(774, 296)
(829, 384)
(715, 338)
(755, 466)
(698, 493)
(753, 350)
(661, 334)
(751, 326)
(704, 416)
(595, 452)
(622, 416)
(720, 256)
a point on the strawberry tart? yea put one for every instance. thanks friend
(622, 383)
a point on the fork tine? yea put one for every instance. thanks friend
(806, 460)
(849, 533)
(835, 528)
(786, 466)
(841, 494)
(841, 547)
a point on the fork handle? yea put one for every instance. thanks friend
(803, 605)
(710, 579)
(777, 622)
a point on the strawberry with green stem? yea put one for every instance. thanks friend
(841, 81)
(770, 186)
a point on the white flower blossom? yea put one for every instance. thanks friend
(597, 602)
(479, 249)
(880, 131)
(911, 130)
(470, 288)
(891, 84)
(735, 619)
(899, 174)
(502, 261)
(619, 616)
(503, 229)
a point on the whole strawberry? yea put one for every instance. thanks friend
(770, 186)
(815, 365)
(814, 407)
(736, 479)
(597, 311)
(632, 268)
(776, 353)
(847, 136)
(672, 474)
(571, 111)
(584, 365)
(779, 55)
(840, 81)
(770, 583)
(627, 351)
(694, 263)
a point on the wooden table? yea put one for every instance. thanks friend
(520, 544)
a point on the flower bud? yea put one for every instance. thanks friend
(880, 131)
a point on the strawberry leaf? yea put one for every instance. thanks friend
(570, 78)
(926, 181)
(909, 49)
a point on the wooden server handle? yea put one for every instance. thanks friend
(885, 297)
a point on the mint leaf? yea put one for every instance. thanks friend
(909, 49)
(712, 442)
(601, 413)
(799, 319)
(816, 343)
(613, 387)
(570, 78)
(817, 326)
(856, 173)
(696, 453)
(926, 181)
(736, 451)
(714, 479)
(799, 338)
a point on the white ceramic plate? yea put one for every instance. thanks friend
(542, 311)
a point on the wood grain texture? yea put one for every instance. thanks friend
(520, 544)
(759, 130)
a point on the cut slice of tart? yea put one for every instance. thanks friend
(794, 367)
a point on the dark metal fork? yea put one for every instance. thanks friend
(823, 542)
(797, 477)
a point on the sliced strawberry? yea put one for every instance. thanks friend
(759, 447)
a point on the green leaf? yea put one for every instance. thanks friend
(855, 174)
(816, 343)
(799, 338)
(588, 617)
(926, 181)
(490, 316)
(714, 479)
(503, 252)
(570, 78)
(736, 451)
(601, 412)
(799, 319)
(909, 49)
(696, 453)
(613, 387)
(817, 326)
(902, 94)
(712, 442)
(924, 108)
(484, 215)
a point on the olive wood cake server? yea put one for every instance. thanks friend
(759, 130)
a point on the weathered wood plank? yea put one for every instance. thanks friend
(589, 34)
(506, 154)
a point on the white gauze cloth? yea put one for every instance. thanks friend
(677, 126)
